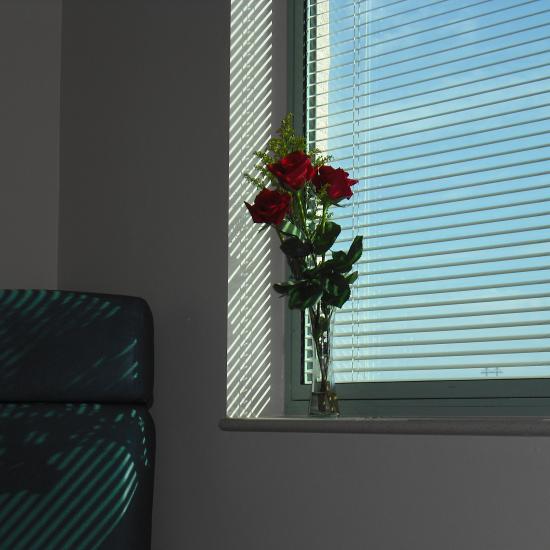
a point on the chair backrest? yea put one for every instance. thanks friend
(76, 438)
(59, 346)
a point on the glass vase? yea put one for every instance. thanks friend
(323, 401)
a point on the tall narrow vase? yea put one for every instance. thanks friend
(324, 401)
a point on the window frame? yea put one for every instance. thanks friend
(515, 397)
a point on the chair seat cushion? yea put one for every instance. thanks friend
(75, 476)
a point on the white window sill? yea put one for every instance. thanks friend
(534, 426)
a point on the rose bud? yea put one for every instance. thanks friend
(336, 181)
(293, 170)
(269, 207)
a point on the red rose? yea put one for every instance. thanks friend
(337, 181)
(269, 207)
(293, 170)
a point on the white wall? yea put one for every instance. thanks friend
(30, 61)
(255, 314)
(144, 163)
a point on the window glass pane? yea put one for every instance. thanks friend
(441, 110)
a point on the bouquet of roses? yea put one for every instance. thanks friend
(298, 190)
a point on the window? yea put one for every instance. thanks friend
(441, 110)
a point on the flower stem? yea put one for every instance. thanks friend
(323, 222)
(320, 332)
(303, 219)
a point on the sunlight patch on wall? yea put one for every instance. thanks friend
(249, 333)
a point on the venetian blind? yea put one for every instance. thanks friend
(441, 110)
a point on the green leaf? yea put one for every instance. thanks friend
(283, 288)
(352, 277)
(295, 248)
(337, 301)
(324, 240)
(288, 228)
(340, 260)
(311, 273)
(335, 284)
(343, 298)
(304, 295)
(355, 250)
(338, 264)
(336, 290)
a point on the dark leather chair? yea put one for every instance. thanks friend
(76, 438)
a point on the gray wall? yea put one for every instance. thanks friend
(143, 211)
(144, 131)
(30, 60)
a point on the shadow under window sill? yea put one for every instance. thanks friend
(533, 426)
